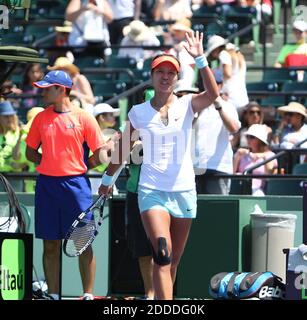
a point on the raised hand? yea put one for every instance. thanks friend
(194, 44)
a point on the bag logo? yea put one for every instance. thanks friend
(271, 292)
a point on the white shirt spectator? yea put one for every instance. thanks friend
(138, 34)
(172, 10)
(212, 139)
(235, 86)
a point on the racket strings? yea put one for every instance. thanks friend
(84, 230)
(81, 235)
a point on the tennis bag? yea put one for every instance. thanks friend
(246, 285)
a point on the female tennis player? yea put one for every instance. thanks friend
(166, 194)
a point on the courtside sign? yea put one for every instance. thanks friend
(15, 266)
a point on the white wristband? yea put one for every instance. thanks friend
(106, 180)
(201, 61)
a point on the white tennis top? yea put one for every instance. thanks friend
(167, 163)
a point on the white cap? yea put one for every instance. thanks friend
(300, 25)
(213, 43)
(259, 131)
(105, 108)
(294, 107)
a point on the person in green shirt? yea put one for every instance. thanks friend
(19, 160)
(299, 47)
(9, 135)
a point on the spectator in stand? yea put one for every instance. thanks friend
(284, 127)
(62, 33)
(138, 34)
(33, 72)
(257, 152)
(9, 135)
(299, 47)
(297, 114)
(19, 150)
(81, 88)
(124, 11)
(89, 24)
(265, 6)
(213, 151)
(233, 65)
(20, 162)
(176, 37)
(252, 114)
(8, 87)
(172, 10)
(60, 41)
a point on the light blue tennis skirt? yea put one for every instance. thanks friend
(180, 204)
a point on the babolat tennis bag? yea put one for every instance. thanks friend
(245, 285)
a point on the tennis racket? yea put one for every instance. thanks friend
(84, 229)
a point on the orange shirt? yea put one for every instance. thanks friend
(61, 137)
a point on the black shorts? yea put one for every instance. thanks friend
(137, 239)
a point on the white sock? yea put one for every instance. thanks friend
(55, 296)
(90, 295)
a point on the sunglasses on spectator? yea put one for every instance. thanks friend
(254, 112)
(250, 137)
(289, 114)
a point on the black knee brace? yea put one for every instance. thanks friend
(163, 257)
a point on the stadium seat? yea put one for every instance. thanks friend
(208, 12)
(283, 187)
(14, 36)
(243, 17)
(262, 86)
(16, 79)
(293, 87)
(139, 76)
(14, 39)
(236, 186)
(107, 89)
(279, 75)
(300, 168)
(37, 32)
(100, 76)
(89, 62)
(116, 62)
(273, 101)
(217, 27)
(47, 3)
